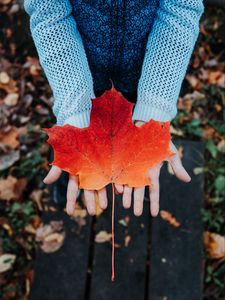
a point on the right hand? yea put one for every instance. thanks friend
(72, 191)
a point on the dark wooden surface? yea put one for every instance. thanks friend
(130, 261)
(161, 262)
(62, 275)
(176, 253)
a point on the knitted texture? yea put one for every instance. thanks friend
(62, 56)
(168, 51)
(114, 35)
(144, 45)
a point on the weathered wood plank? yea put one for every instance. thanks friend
(176, 253)
(130, 261)
(62, 275)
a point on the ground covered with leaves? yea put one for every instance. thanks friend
(25, 108)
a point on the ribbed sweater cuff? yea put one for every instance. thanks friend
(80, 120)
(144, 113)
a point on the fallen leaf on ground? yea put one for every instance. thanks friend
(214, 244)
(11, 99)
(103, 236)
(167, 216)
(50, 236)
(4, 78)
(12, 188)
(198, 170)
(6, 262)
(10, 87)
(79, 212)
(10, 138)
(125, 221)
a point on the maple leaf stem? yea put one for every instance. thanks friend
(113, 241)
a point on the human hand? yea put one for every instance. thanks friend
(72, 192)
(153, 175)
(73, 183)
(89, 195)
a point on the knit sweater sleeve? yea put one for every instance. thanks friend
(168, 51)
(63, 59)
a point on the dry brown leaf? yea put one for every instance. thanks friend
(216, 77)
(12, 188)
(103, 236)
(33, 65)
(30, 229)
(10, 138)
(214, 244)
(10, 87)
(8, 228)
(50, 236)
(5, 1)
(6, 262)
(186, 102)
(194, 82)
(79, 212)
(36, 196)
(11, 99)
(4, 78)
(167, 216)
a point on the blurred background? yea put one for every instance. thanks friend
(25, 108)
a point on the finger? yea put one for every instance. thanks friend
(178, 168)
(89, 196)
(102, 195)
(72, 190)
(138, 200)
(127, 196)
(154, 198)
(154, 190)
(52, 175)
(119, 188)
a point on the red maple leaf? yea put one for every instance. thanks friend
(112, 149)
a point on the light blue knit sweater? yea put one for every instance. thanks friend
(63, 58)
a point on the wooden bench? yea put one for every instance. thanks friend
(161, 262)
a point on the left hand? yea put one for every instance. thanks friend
(153, 173)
